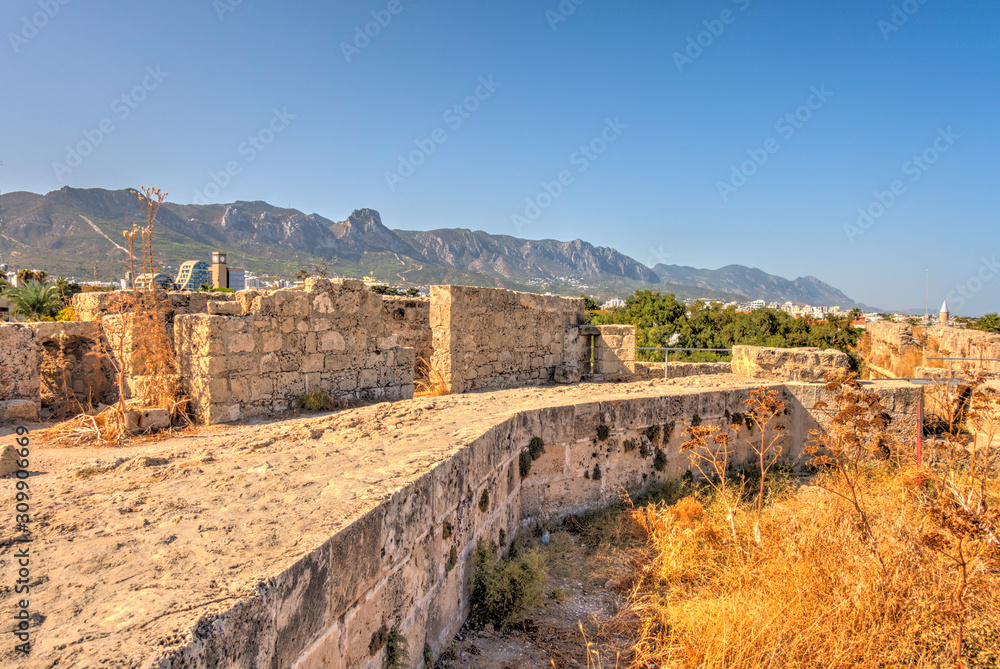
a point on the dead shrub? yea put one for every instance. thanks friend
(430, 381)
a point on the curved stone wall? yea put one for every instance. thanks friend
(407, 564)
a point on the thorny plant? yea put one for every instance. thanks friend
(856, 434)
(962, 522)
(135, 343)
(713, 462)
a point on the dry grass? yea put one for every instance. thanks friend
(430, 381)
(882, 562)
(137, 346)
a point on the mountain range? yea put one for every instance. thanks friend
(78, 232)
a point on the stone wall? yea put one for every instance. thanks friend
(898, 350)
(92, 306)
(409, 318)
(264, 354)
(679, 370)
(788, 364)
(407, 564)
(20, 374)
(492, 338)
(75, 375)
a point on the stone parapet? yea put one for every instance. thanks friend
(788, 364)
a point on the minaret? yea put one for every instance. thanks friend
(944, 313)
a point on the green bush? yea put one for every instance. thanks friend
(524, 463)
(603, 431)
(652, 433)
(668, 431)
(503, 590)
(660, 460)
(597, 475)
(484, 501)
(536, 448)
(317, 400)
(629, 445)
(395, 650)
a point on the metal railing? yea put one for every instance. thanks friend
(952, 361)
(667, 350)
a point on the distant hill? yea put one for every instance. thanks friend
(78, 232)
(753, 283)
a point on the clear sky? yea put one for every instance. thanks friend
(670, 99)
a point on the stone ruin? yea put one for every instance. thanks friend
(254, 353)
(404, 559)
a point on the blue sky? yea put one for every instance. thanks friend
(668, 98)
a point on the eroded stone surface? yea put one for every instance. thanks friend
(294, 541)
(788, 364)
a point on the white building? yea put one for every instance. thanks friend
(613, 303)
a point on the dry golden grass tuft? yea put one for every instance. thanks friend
(430, 381)
(883, 561)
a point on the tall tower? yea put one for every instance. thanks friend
(944, 313)
(220, 271)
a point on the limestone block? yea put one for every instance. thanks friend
(8, 460)
(224, 308)
(794, 364)
(146, 420)
(332, 341)
(567, 374)
(18, 410)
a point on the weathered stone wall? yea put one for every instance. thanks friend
(614, 352)
(409, 318)
(493, 338)
(898, 350)
(93, 306)
(788, 364)
(679, 370)
(407, 563)
(75, 375)
(20, 372)
(263, 355)
(961, 343)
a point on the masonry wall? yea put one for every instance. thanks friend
(407, 563)
(74, 373)
(264, 354)
(20, 373)
(92, 306)
(792, 364)
(899, 350)
(489, 338)
(409, 318)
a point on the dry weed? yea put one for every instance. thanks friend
(430, 381)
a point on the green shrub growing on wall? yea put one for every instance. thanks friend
(536, 447)
(629, 445)
(643, 450)
(524, 463)
(652, 433)
(597, 476)
(695, 420)
(428, 656)
(668, 431)
(660, 460)
(586, 474)
(379, 639)
(502, 590)
(603, 432)
(484, 501)
(452, 560)
(395, 650)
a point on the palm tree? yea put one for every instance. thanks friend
(34, 301)
(26, 276)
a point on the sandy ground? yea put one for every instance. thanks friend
(132, 545)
